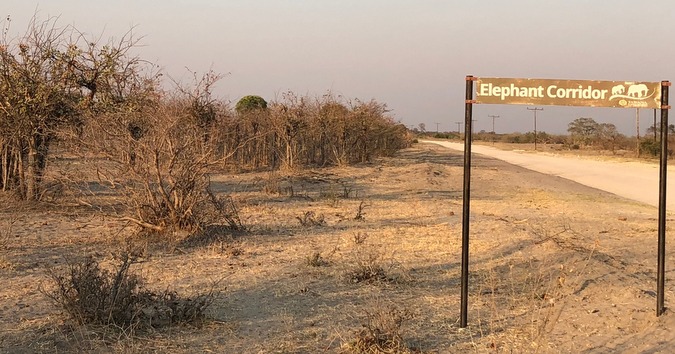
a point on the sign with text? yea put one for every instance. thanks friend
(568, 92)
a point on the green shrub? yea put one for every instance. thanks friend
(650, 147)
(250, 103)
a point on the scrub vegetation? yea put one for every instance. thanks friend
(143, 216)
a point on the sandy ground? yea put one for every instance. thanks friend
(556, 266)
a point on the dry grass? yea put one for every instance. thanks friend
(381, 332)
(6, 235)
(309, 219)
(92, 295)
(555, 267)
(316, 260)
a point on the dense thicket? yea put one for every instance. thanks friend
(54, 80)
(299, 131)
(156, 146)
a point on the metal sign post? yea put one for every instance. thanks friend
(466, 199)
(619, 94)
(663, 171)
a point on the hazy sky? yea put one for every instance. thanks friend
(412, 55)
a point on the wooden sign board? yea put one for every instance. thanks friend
(620, 94)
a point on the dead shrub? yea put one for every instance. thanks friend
(309, 219)
(367, 267)
(163, 172)
(296, 131)
(360, 238)
(223, 208)
(365, 263)
(381, 332)
(367, 272)
(348, 192)
(360, 212)
(316, 260)
(335, 193)
(221, 224)
(92, 295)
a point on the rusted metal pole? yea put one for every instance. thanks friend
(466, 199)
(663, 171)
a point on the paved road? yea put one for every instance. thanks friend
(633, 180)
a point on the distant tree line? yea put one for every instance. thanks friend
(583, 133)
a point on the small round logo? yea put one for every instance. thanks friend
(622, 103)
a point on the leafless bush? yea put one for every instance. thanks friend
(91, 295)
(223, 208)
(309, 219)
(335, 193)
(300, 131)
(360, 212)
(360, 238)
(162, 167)
(348, 192)
(316, 260)
(367, 268)
(381, 332)
(366, 263)
(51, 78)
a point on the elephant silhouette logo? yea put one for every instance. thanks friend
(618, 90)
(630, 91)
(638, 91)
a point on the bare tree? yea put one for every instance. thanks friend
(53, 78)
(35, 99)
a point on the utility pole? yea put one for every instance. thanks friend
(437, 127)
(493, 127)
(459, 124)
(637, 129)
(535, 109)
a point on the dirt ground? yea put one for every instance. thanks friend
(556, 267)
